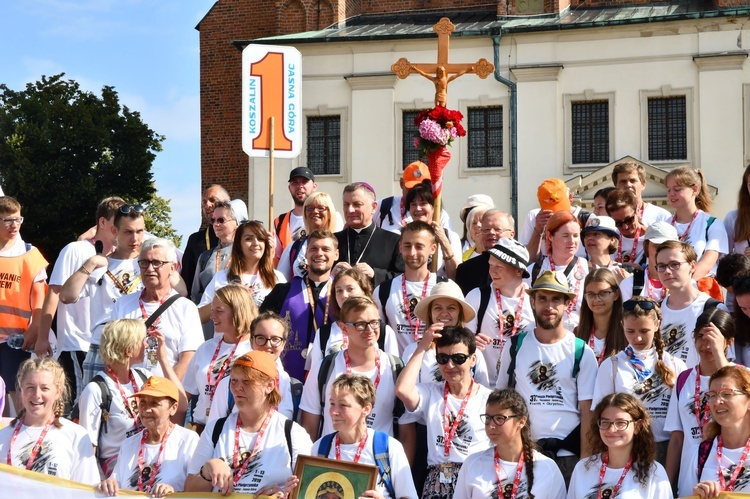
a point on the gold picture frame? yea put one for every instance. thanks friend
(332, 478)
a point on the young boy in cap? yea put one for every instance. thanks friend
(503, 308)
(555, 372)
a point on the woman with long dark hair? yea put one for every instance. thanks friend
(624, 460)
(512, 465)
(601, 315)
(737, 222)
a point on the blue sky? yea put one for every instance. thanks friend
(147, 49)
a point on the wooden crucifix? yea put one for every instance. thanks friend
(442, 72)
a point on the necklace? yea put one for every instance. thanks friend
(349, 246)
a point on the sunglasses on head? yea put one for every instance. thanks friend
(646, 305)
(127, 209)
(457, 358)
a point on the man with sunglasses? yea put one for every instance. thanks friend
(631, 176)
(74, 319)
(103, 278)
(555, 372)
(360, 323)
(22, 288)
(622, 207)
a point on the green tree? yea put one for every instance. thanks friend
(63, 149)
(158, 218)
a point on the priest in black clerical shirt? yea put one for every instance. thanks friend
(362, 244)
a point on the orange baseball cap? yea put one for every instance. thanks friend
(260, 361)
(553, 195)
(415, 173)
(159, 387)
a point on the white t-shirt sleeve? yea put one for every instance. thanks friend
(689, 474)
(220, 402)
(284, 267)
(310, 401)
(717, 238)
(473, 299)
(401, 477)
(90, 412)
(587, 374)
(84, 468)
(605, 383)
(204, 450)
(390, 344)
(192, 332)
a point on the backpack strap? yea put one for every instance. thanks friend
(218, 428)
(580, 346)
(294, 251)
(515, 344)
(384, 292)
(162, 308)
(105, 406)
(537, 268)
(397, 366)
(385, 210)
(296, 389)
(639, 280)
(325, 444)
(704, 449)
(326, 369)
(142, 374)
(278, 223)
(381, 337)
(383, 459)
(709, 222)
(484, 301)
(324, 333)
(288, 436)
(681, 379)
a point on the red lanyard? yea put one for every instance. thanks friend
(687, 231)
(37, 446)
(145, 314)
(407, 311)
(360, 447)
(449, 431)
(213, 383)
(157, 464)
(516, 479)
(633, 251)
(737, 469)
(701, 416)
(592, 336)
(311, 299)
(603, 470)
(258, 440)
(501, 309)
(579, 271)
(377, 367)
(130, 410)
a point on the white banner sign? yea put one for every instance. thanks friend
(271, 86)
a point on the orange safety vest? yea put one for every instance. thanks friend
(281, 225)
(17, 275)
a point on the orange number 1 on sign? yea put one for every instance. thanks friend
(270, 69)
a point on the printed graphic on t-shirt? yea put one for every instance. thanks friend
(606, 488)
(408, 328)
(689, 406)
(674, 339)
(43, 460)
(436, 374)
(215, 372)
(543, 376)
(146, 474)
(507, 490)
(743, 479)
(461, 440)
(651, 389)
(253, 468)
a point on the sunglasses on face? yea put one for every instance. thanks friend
(646, 305)
(220, 220)
(457, 358)
(625, 221)
(127, 209)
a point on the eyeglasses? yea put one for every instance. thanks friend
(361, 326)
(619, 424)
(646, 305)
(311, 208)
(601, 295)
(127, 209)
(273, 340)
(625, 221)
(673, 266)
(495, 419)
(157, 264)
(220, 220)
(492, 230)
(723, 394)
(10, 221)
(457, 358)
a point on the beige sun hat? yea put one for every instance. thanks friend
(447, 289)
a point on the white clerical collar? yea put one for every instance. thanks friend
(359, 231)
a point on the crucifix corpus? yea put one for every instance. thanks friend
(442, 72)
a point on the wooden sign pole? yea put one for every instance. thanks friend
(270, 174)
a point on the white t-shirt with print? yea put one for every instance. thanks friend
(716, 240)
(104, 292)
(729, 460)
(478, 479)
(492, 324)
(396, 315)
(196, 381)
(220, 403)
(584, 483)
(677, 328)
(575, 280)
(120, 423)
(271, 465)
(290, 269)
(381, 417)
(251, 281)
(66, 452)
(336, 341)
(627, 250)
(653, 392)
(173, 467)
(180, 324)
(649, 290)
(543, 377)
(401, 479)
(653, 213)
(470, 436)
(73, 319)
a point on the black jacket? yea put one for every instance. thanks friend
(473, 273)
(381, 253)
